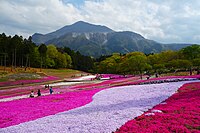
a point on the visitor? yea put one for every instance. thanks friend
(39, 93)
(198, 72)
(148, 75)
(190, 71)
(51, 90)
(32, 94)
(156, 75)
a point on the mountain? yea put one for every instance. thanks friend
(78, 27)
(96, 40)
(176, 46)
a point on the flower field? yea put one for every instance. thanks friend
(168, 104)
(180, 114)
(18, 111)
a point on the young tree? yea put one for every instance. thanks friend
(61, 61)
(52, 51)
(69, 60)
(110, 64)
(52, 55)
(138, 64)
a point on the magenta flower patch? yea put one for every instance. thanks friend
(18, 111)
(24, 110)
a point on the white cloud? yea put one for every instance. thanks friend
(196, 37)
(37, 15)
(122, 15)
(164, 21)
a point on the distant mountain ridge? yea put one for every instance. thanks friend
(97, 40)
(78, 27)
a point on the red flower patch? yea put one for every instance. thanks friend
(181, 114)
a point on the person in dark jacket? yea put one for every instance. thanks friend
(39, 93)
(51, 90)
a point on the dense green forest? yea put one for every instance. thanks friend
(18, 52)
(186, 59)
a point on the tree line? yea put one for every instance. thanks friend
(186, 59)
(18, 52)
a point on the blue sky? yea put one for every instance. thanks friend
(165, 21)
(75, 2)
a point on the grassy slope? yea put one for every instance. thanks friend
(60, 73)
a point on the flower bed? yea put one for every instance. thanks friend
(163, 80)
(109, 109)
(24, 110)
(105, 84)
(25, 90)
(18, 111)
(179, 113)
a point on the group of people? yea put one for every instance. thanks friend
(39, 92)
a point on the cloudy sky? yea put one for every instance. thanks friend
(164, 21)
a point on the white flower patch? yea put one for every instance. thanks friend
(156, 111)
(89, 77)
(109, 110)
(65, 83)
(149, 114)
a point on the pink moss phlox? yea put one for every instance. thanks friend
(23, 110)
(135, 82)
(19, 111)
(105, 84)
(180, 114)
(18, 91)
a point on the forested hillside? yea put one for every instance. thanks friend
(18, 52)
